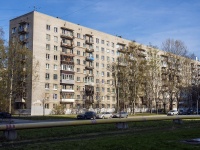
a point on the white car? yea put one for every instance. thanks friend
(172, 112)
(104, 115)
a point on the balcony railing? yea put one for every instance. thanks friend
(89, 41)
(88, 58)
(67, 100)
(67, 45)
(67, 36)
(67, 90)
(89, 67)
(67, 54)
(88, 50)
(122, 50)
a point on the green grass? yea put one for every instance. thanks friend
(152, 135)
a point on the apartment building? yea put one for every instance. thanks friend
(73, 63)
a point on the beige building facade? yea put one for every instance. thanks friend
(70, 64)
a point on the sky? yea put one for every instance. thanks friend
(144, 21)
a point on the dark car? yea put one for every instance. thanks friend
(182, 112)
(87, 115)
(190, 111)
(5, 115)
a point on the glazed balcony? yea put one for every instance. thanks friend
(67, 90)
(67, 54)
(67, 81)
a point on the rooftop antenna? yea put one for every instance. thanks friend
(35, 8)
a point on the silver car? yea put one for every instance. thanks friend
(104, 115)
(121, 115)
(172, 112)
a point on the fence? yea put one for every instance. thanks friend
(9, 130)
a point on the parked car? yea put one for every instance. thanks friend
(104, 115)
(87, 115)
(182, 112)
(190, 111)
(121, 115)
(172, 112)
(5, 115)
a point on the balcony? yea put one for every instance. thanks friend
(65, 61)
(89, 83)
(122, 50)
(67, 45)
(89, 42)
(89, 67)
(142, 54)
(23, 30)
(89, 58)
(67, 81)
(67, 36)
(67, 54)
(88, 50)
(67, 100)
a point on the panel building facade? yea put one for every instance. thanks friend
(70, 64)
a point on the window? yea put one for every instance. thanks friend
(102, 50)
(102, 41)
(78, 35)
(13, 30)
(97, 80)
(55, 29)
(108, 81)
(55, 96)
(47, 46)
(78, 61)
(48, 37)
(78, 79)
(97, 48)
(47, 66)
(102, 73)
(78, 44)
(46, 85)
(55, 39)
(55, 86)
(113, 44)
(102, 65)
(113, 52)
(46, 105)
(83, 53)
(97, 65)
(55, 67)
(97, 56)
(78, 97)
(108, 51)
(47, 56)
(78, 69)
(55, 57)
(107, 43)
(108, 58)
(97, 40)
(55, 48)
(48, 27)
(108, 98)
(102, 57)
(78, 53)
(84, 71)
(103, 89)
(47, 76)
(108, 74)
(55, 76)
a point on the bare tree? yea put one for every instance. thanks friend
(176, 47)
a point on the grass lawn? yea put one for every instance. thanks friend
(152, 135)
